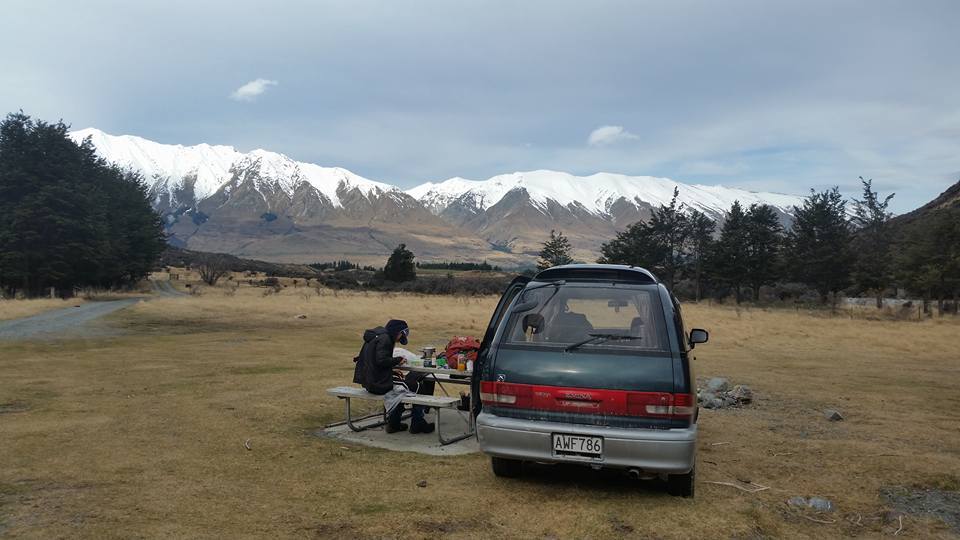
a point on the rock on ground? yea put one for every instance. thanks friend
(817, 504)
(832, 415)
(717, 394)
(742, 393)
(717, 385)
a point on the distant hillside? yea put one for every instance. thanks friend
(948, 200)
(182, 258)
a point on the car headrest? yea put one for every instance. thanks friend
(636, 325)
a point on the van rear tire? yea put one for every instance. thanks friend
(682, 485)
(506, 468)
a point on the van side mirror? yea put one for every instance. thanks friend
(698, 335)
(533, 323)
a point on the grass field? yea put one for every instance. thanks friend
(143, 435)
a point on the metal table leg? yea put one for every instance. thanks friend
(350, 420)
(444, 441)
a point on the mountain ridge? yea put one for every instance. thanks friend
(267, 205)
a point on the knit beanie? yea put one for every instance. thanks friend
(395, 326)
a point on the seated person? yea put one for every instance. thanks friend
(374, 371)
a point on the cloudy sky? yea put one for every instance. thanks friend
(762, 95)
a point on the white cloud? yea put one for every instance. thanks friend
(252, 89)
(607, 135)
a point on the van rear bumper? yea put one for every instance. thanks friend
(671, 451)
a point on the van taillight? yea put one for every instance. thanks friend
(588, 400)
(506, 394)
(660, 404)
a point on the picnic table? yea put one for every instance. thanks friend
(439, 375)
(451, 376)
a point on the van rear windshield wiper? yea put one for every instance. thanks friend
(557, 283)
(601, 338)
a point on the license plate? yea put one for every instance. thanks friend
(577, 445)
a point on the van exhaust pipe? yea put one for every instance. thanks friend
(637, 474)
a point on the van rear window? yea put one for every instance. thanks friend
(591, 316)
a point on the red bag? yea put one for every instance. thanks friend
(468, 346)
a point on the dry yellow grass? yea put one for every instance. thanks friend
(16, 309)
(142, 435)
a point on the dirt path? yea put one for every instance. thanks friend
(75, 322)
(164, 288)
(72, 321)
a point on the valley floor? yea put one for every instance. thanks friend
(142, 434)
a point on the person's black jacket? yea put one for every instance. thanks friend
(374, 369)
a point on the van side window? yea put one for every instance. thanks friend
(678, 323)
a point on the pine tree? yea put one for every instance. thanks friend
(634, 246)
(873, 268)
(700, 235)
(555, 252)
(764, 237)
(658, 245)
(52, 231)
(730, 259)
(67, 219)
(400, 266)
(930, 260)
(819, 243)
(669, 228)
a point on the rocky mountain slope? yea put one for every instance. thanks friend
(513, 210)
(266, 205)
(949, 200)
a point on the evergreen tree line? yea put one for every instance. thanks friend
(827, 249)
(67, 218)
(340, 266)
(460, 266)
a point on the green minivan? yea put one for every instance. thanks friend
(589, 364)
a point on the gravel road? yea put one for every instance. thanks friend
(67, 322)
(74, 322)
(164, 288)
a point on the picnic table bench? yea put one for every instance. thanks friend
(348, 393)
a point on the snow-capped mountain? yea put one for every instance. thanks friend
(589, 209)
(195, 173)
(266, 205)
(596, 194)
